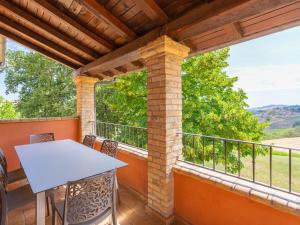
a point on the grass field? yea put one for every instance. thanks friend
(282, 133)
(280, 169)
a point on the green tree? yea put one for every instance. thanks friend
(211, 106)
(45, 87)
(124, 101)
(7, 109)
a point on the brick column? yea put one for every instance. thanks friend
(85, 88)
(163, 59)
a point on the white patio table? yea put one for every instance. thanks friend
(52, 164)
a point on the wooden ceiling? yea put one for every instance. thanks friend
(101, 38)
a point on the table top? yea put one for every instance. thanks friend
(51, 164)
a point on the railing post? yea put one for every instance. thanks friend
(163, 59)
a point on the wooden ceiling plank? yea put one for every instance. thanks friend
(28, 18)
(153, 11)
(219, 13)
(38, 38)
(38, 49)
(102, 13)
(70, 21)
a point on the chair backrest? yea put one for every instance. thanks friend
(3, 177)
(109, 147)
(89, 199)
(3, 206)
(38, 138)
(3, 161)
(89, 140)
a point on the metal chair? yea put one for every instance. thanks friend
(3, 220)
(110, 148)
(39, 138)
(88, 201)
(17, 197)
(89, 140)
(12, 176)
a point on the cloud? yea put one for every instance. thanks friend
(267, 77)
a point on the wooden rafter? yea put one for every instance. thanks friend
(37, 48)
(102, 13)
(219, 13)
(5, 22)
(153, 11)
(28, 18)
(70, 21)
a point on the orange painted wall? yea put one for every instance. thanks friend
(135, 175)
(201, 203)
(17, 133)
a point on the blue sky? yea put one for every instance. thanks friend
(268, 68)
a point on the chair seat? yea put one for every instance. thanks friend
(20, 197)
(16, 175)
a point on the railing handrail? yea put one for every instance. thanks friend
(117, 124)
(241, 141)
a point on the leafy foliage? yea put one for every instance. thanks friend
(124, 101)
(7, 109)
(45, 87)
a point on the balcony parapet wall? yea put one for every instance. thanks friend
(241, 195)
(26, 120)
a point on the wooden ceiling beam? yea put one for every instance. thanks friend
(28, 18)
(34, 37)
(71, 22)
(153, 11)
(37, 48)
(102, 13)
(120, 56)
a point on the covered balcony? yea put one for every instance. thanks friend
(163, 183)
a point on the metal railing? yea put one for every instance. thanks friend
(255, 162)
(129, 135)
(251, 161)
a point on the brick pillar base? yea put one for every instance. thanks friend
(163, 59)
(85, 87)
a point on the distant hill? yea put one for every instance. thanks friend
(280, 116)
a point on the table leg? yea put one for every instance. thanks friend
(40, 208)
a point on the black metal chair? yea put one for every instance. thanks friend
(109, 147)
(40, 138)
(12, 176)
(17, 197)
(89, 140)
(87, 202)
(3, 205)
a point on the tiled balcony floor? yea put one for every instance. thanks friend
(131, 211)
